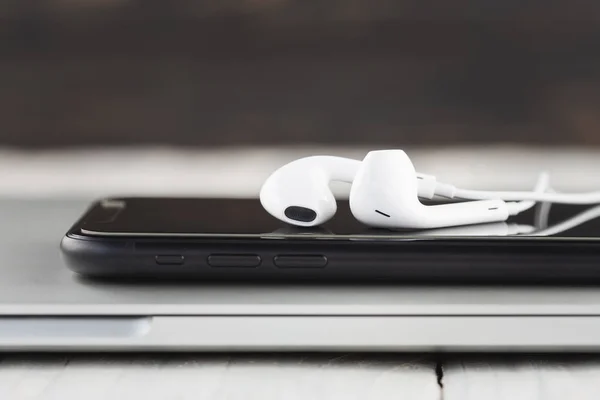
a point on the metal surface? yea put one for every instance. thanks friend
(301, 334)
(285, 317)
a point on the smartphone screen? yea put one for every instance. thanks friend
(246, 218)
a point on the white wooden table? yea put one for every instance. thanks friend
(298, 376)
(497, 377)
(199, 377)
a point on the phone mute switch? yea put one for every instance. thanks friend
(169, 260)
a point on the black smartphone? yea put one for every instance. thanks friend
(235, 239)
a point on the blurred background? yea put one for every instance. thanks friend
(103, 97)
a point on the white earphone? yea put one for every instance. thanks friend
(385, 193)
(299, 193)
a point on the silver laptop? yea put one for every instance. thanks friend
(46, 307)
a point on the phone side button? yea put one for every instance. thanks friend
(169, 259)
(234, 260)
(290, 261)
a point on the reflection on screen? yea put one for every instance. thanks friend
(235, 217)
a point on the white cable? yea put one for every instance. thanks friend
(542, 213)
(565, 198)
(448, 192)
(540, 187)
(579, 219)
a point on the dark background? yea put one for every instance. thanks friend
(216, 73)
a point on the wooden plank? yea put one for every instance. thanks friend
(522, 377)
(198, 377)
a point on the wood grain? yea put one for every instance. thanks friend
(496, 377)
(181, 377)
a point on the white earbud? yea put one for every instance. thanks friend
(298, 193)
(384, 195)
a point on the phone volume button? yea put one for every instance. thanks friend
(169, 259)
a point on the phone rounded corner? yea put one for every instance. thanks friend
(91, 257)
